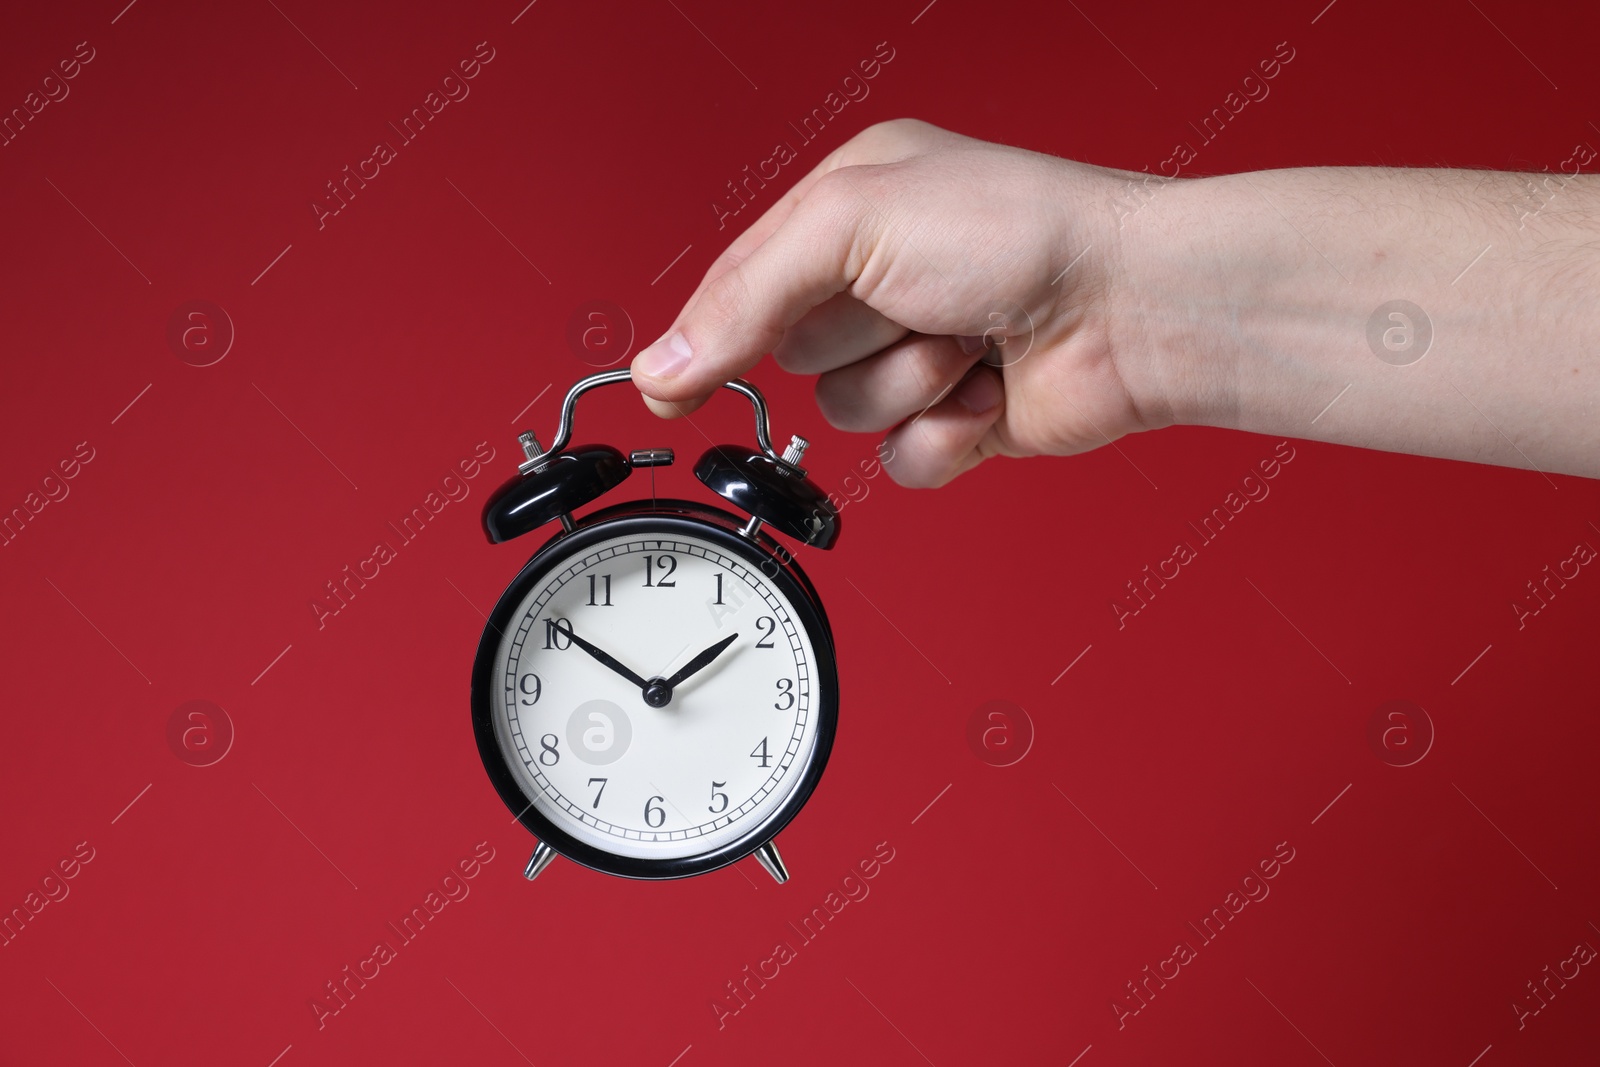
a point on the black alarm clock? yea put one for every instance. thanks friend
(655, 694)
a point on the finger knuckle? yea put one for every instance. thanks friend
(922, 459)
(788, 355)
(834, 196)
(729, 259)
(897, 131)
(837, 210)
(911, 474)
(841, 405)
(726, 300)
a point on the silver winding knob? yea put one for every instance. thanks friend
(797, 448)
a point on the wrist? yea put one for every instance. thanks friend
(1191, 268)
(1248, 298)
(1256, 301)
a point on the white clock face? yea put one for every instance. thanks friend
(730, 743)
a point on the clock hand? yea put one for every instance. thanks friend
(701, 661)
(605, 659)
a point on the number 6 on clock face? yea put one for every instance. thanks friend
(662, 699)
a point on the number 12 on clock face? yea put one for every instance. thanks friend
(659, 696)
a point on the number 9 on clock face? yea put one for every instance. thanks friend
(661, 695)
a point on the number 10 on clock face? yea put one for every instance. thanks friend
(658, 699)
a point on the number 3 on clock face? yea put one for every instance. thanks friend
(662, 695)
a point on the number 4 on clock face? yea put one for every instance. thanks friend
(652, 660)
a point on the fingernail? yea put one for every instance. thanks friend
(666, 357)
(973, 346)
(981, 393)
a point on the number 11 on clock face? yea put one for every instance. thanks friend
(658, 696)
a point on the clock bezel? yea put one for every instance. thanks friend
(660, 518)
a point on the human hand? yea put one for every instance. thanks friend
(908, 251)
(890, 269)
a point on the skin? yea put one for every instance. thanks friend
(1116, 303)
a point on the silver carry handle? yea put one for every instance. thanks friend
(790, 457)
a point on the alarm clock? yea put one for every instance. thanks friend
(655, 694)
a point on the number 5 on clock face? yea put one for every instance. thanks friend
(659, 699)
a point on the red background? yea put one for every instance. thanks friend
(1218, 723)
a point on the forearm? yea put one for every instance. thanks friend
(1247, 301)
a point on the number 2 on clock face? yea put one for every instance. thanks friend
(605, 765)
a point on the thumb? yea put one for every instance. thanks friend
(817, 251)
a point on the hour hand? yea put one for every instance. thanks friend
(601, 655)
(701, 661)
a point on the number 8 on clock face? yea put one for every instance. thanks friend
(655, 694)
(656, 782)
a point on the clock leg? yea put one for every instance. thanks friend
(767, 856)
(542, 855)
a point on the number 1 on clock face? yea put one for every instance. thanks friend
(727, 745)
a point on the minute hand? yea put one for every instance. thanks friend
(702, 660)
(601, 655)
